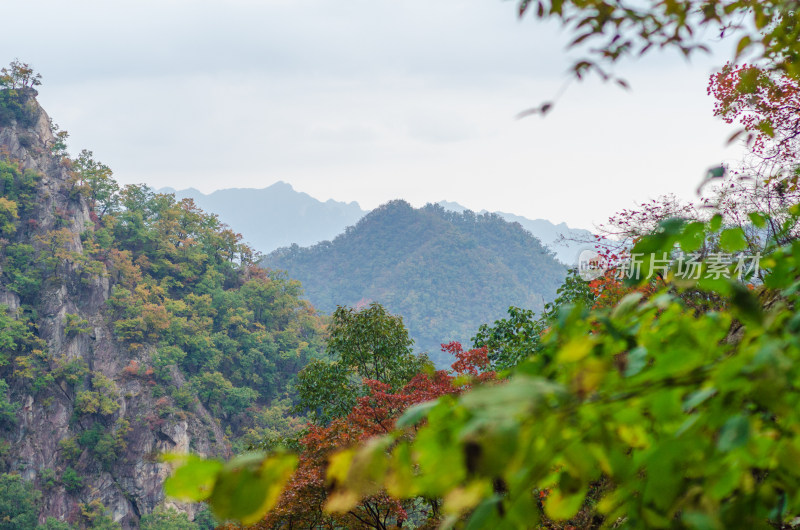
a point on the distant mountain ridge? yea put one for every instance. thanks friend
(564, 241)
(275, 216)
(444, 272)
(279, 216)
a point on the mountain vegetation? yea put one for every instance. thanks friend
(446, 273)
(130, 324)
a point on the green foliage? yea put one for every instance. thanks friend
(94, 180)
(16, 86)
(326, 390)
(75, 325)
(274, 427)
(19, 503)
(687, 417)
(51, 523)
(244, 488)
(511, 340)
(70, 449)
(47, 478)
(8, 216)
(8, 410)
(166, 519)
(18, 267)
(95, 516)
(71, 480)
(102, 399)
(364, 344)
(445, 272)
(372, 344)
(220, 395)
(205, 520)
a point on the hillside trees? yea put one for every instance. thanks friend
(302, 502)
(16, 82)
(718, 416)
(195, 321)
(364, 344)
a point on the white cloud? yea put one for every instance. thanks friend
(363, 100)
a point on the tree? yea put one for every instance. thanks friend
(365, 344)
(19, 75)
(17, 82)
(325, 390)
(166, 519)
(372, 343)
(302, 503)
(511, 340)
(95, 181)
(19, 503)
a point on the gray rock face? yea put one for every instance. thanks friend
(132, 485)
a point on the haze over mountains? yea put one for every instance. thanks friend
(279, 216)
(276, 216)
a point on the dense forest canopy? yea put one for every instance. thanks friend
(446, 273)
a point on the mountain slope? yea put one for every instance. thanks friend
(445, 273)
(276, 216)
(130, 325)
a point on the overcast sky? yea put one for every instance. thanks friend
(365, 100)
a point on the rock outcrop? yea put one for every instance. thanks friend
(131, 484)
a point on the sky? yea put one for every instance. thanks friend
(368, 101)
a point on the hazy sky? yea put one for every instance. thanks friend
(366, 100)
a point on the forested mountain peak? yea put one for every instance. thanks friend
(444, 272)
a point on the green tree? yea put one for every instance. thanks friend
(19, 75)
(325, 390)
(373, 344)
(166, 519)
(51, 523)
(364, 344)
(95, 181)
(19, 503)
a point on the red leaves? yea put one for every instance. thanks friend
(374, 414)
(472, 362)
(766, 105)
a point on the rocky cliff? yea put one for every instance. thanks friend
(80, 363)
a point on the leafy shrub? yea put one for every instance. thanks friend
(71, 480)
(166, 519)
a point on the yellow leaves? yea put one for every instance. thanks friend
(464, 499)
(339, 466)
(244, 489)
(357, 473)
(575, 350)
(633, 435)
